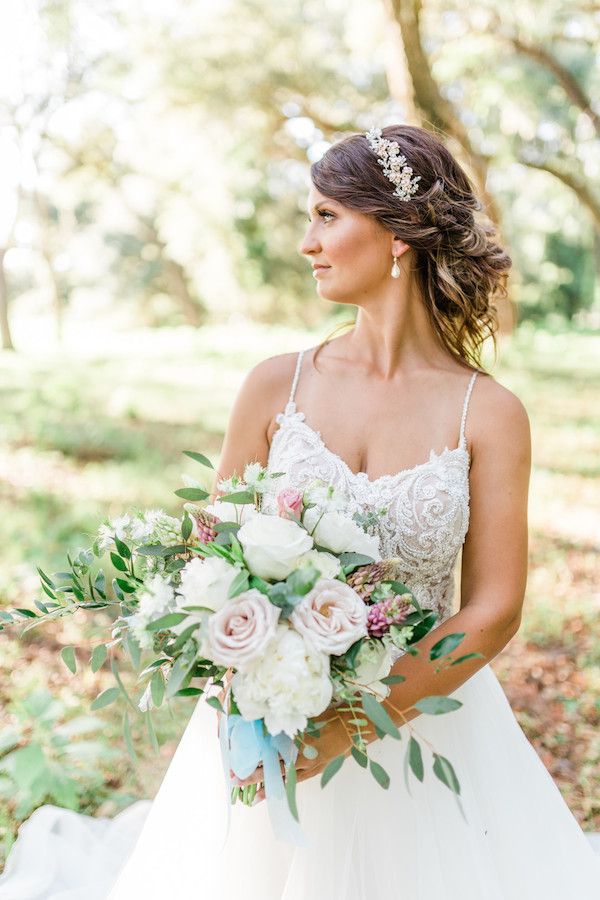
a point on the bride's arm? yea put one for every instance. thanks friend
(495, 553)
(262, 395)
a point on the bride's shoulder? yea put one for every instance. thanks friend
(267, 384)
(498, 417)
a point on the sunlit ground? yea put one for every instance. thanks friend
(85, 434)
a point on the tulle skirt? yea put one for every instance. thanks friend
(518, 840)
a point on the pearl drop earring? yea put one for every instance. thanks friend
(395, 268)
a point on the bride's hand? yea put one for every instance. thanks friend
(333, 741)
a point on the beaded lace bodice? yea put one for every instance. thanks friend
(427, 506)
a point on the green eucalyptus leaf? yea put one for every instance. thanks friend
(361, 758)
(118, 563)
(447, 644)
(216, 703)
(199, 457)
(415, 758)
(309, 751)
(122, 548)
(128, 738)
(331, 769)
(379, 774)
(192, 493)
(152, 732)
(241, 497)
(105, 698)
(467, 656)
(186, 526)
(98, 657)
(443, 769)
(239, 584)
(378, 715)
(436, 705)
(291, 779)
(126, 586)
(166, 621)
(157, 687)
(69, 658)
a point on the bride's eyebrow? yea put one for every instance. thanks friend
(322, 203)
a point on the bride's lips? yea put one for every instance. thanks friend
(318, 269)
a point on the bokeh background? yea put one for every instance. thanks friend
(154, 166)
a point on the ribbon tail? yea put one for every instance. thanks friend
(284, 825)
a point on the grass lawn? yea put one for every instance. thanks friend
(84, 435)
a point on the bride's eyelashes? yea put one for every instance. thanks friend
(323, 213)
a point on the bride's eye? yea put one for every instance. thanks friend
(323, 213)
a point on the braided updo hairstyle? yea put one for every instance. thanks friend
(460, 266)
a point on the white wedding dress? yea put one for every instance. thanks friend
(520, 841)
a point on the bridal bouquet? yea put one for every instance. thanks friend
(281, 589)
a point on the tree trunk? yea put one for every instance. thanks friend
(436, 112)
(5, 334)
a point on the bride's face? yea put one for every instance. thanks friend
(355, 249)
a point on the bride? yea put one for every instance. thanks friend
(400, 414)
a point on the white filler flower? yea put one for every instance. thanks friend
(156, 600)
(286, 685)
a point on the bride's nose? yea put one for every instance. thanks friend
(309, 244)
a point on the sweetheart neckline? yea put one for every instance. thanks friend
(300, 418)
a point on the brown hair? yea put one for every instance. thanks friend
(460, 266)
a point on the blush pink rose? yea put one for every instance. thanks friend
(289, 500)
(240, 631)
(332, 615)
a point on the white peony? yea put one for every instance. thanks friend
(272, 545)
(232, 512)
(340, 534)
(155, 600)
(326, 564)
(206, 582)
(373, 661)
(286, 685)
(241, 630)
(332, 615)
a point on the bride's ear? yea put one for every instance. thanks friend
(399, 247)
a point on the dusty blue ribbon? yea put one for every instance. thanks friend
(244, 745)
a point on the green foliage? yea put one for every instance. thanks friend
(49, 758)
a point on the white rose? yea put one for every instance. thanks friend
(340, 534)
(373, 661)
(326, 564)
(242, 629)
(286, 685)
(272, 545)
(205, 582)
(332, 615)
(232, 512)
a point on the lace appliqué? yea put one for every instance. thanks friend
(426, 507)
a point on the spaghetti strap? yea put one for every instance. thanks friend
(462, 442)
(291, 405)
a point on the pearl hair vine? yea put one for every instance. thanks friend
(393, 163)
